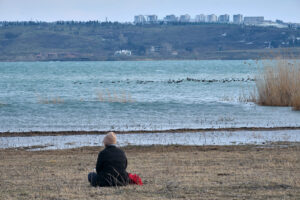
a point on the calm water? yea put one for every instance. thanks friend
(152, 95)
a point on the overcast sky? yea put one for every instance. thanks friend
(124, 10)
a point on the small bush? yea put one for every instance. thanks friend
(279, 84)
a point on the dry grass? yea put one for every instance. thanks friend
(278, 84)
(171, 172)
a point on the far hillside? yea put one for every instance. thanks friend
(105, 41)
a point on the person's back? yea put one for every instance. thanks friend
(111, 165)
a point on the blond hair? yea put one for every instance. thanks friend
(110, 139)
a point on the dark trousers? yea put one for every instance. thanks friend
(93, 177)
(98, 180)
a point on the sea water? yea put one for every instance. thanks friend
(135, 95)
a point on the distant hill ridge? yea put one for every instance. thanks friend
(105, 41)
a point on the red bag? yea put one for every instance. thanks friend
(135, 179)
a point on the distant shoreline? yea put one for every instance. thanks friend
(113, 42)
(159, 59)
(58, 133)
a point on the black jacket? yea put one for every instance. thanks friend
(111, 167)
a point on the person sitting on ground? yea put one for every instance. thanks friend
(111, 165)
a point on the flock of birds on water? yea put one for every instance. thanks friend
(171, 81)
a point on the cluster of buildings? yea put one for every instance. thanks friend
(237, 19)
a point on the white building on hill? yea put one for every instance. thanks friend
(224, 18)
(185, 18)
(170, 18)
(238, 19)
(253, 20)
(212, 18)
(200, 18)
(152, 19)
(139, 19)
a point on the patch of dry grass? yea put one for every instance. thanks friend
(278, 84)
(170, 172)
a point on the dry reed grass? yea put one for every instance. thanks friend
(278, 84)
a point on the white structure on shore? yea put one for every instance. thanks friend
(253, 20)
(212, 18)
(123, 53)
(200, 18)
(238, 19)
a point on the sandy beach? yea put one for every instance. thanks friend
(168, 172)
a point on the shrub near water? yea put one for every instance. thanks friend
(279, 85)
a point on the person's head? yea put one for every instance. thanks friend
(110, 139)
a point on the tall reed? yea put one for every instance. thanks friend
(278, 84)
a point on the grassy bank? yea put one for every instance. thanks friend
(171, 172)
